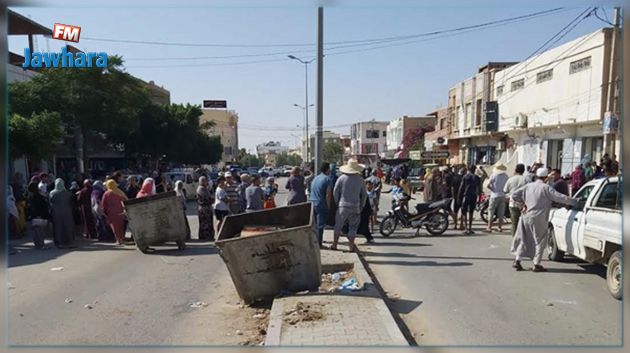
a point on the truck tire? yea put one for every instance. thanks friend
(614, 275)
(554, 254)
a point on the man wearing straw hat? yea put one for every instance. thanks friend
(498, 200)
(350, 196)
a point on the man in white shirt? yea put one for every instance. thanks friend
(516, 181)
(497, 201)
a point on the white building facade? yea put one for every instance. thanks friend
(399, 127)
(368, 140)
(552, 105)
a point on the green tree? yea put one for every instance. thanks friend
(100, 100)
(250, 160)
(36, 136)
(333, 152)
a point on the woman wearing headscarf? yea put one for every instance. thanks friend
(296, 187)
(182, 197)
(132, 187)
(37, 213)
(84, 199)
(205, 200)
(147, 189)
(61, 203)
(112, 204)
(76, 213)
(103, 231)
(14, 214)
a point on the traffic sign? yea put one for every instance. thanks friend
(434, 154)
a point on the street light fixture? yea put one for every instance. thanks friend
(306, 105)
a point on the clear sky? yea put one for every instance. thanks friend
(381, 84)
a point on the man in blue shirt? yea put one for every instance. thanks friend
(321, 197)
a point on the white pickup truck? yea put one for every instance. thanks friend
(592, 232)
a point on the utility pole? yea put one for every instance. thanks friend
(320, 88)
(611, 107)
(611, 111)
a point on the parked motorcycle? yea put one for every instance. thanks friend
(482, 208)
(433, 216)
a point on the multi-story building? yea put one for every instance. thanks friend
(398, 128)
(159, 95)
(367, 140)
(226, 127)
(268, 151)
(471, 106)
(553, 105)
(437, 140)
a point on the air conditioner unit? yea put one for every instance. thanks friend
(520, 121)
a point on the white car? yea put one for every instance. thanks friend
(592, 232)
(190, 182)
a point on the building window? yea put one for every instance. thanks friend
(544, 76)
(467, 115)
(369, 148)
(580, 65)
(554, 153)
(384, 133)
(227, 150)
(371, 134)
(478, 113)
(500, 90)
(518, 84)
(353, 132)
(442, 124)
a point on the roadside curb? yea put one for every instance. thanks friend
(361, 318)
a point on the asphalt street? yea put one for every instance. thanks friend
(135, 298)
(456, 289)
(449, 290)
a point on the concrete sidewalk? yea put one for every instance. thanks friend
(357, 318)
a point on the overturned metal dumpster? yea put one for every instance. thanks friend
(271, 251)
(156, 219)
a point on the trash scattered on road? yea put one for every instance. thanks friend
(68, 300)
(57, 269)
(198, 304)
(560, 301)
(259, 316)
(304, 292)
(332, 282)
(338, 275)
(10, 286)
(549, 304)
(21, 315)
(350, 285)
(239, 332)
(492, 246)
(88, 306)
(303, 312)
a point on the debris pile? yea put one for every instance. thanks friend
(339, 281)
(303, 312)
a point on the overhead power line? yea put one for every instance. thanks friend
(370, 44)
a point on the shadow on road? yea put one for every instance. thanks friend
(191, 250)
(24, 253)
(408, 244)
(422, 263)
(403, 306)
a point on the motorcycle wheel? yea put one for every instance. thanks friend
(437, 223)
(483, 212)
(388, 226)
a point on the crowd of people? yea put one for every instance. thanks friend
(348, 201)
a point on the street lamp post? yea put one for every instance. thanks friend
(307, 140)
(305, 62)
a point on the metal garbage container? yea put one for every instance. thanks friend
(156, 219)
(271, 251)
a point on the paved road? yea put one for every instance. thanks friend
(135, 298)
(461, 290)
